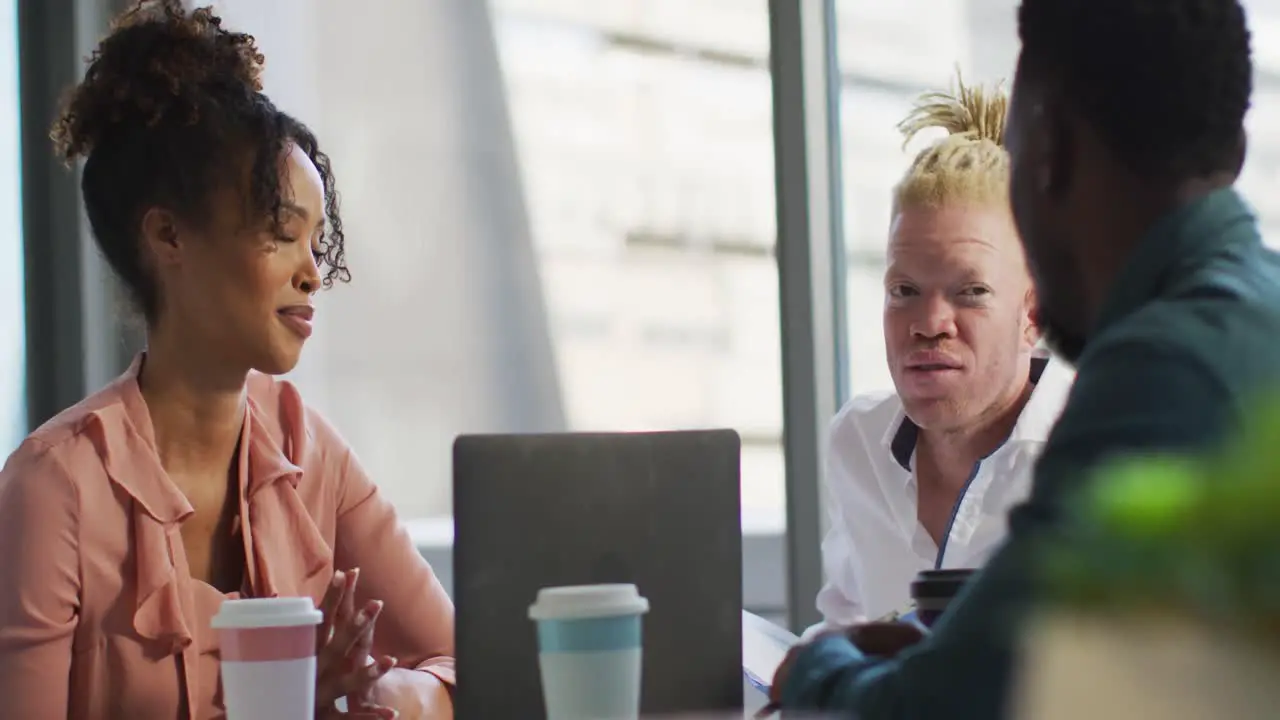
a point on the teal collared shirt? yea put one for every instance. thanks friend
(1190, 334)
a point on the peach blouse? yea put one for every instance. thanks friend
(99, 614)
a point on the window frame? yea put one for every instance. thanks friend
(811, 274)
(77, 339)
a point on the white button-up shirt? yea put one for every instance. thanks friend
(876, 545)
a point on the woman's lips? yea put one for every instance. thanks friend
(297, 319)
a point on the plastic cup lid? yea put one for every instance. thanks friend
(578, 602)
(266, 613)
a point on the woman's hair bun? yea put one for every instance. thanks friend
(974, 113)
(160, 63)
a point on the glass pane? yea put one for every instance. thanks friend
(889, 52)
(1260, 181)
(13, 406)
(559, 215)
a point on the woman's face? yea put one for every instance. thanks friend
(236, 293)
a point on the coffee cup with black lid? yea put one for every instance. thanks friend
(933, 590)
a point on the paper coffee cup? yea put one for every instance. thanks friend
(268, 658)
(589, 651)
(933, 590)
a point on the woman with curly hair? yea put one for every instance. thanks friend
(197, 475)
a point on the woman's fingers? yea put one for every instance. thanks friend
(329, 607)
(361, 654)
(359, 682)
(346, 605)
(356, 683)
(330, 659)
(362, 647)
(375, 713)
(344, 655)
(347, 643)
(372, 712)
(354, 639)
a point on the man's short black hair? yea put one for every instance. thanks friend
(1166, 83)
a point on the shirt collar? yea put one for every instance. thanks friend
(289, 551)
(129, 446)
(1051, 380)
(1176, 245)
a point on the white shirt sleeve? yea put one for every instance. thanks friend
(838, 599)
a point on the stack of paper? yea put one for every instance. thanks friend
(764, 645)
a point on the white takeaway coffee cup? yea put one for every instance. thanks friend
(268, 649)
(589, 651)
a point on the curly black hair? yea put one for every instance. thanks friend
(170, 109)
(1166, 83)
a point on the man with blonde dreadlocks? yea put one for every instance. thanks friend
(1125, 137)
(923, 478)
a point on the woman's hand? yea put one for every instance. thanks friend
(416, 694)
(343, 644)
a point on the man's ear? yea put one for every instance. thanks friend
(1031, 319)
(161, 238)
(1241, 150)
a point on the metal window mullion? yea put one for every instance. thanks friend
(810, 271)
(75, 338)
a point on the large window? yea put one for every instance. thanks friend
(890, 52)
(1261, 179)
(13, 416)
(559, 214)
(643, 134)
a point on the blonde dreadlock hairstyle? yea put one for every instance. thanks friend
(968, 165)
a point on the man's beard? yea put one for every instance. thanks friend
(1059, 295)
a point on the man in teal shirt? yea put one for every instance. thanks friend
(1125, 134)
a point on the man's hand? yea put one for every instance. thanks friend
(885, 639)
(875, 639)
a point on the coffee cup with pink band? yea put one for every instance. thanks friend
(268, 657)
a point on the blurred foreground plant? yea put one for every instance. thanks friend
(1198, 537)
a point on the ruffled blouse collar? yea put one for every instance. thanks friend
(287, 549)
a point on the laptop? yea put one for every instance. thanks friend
(660, 510)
